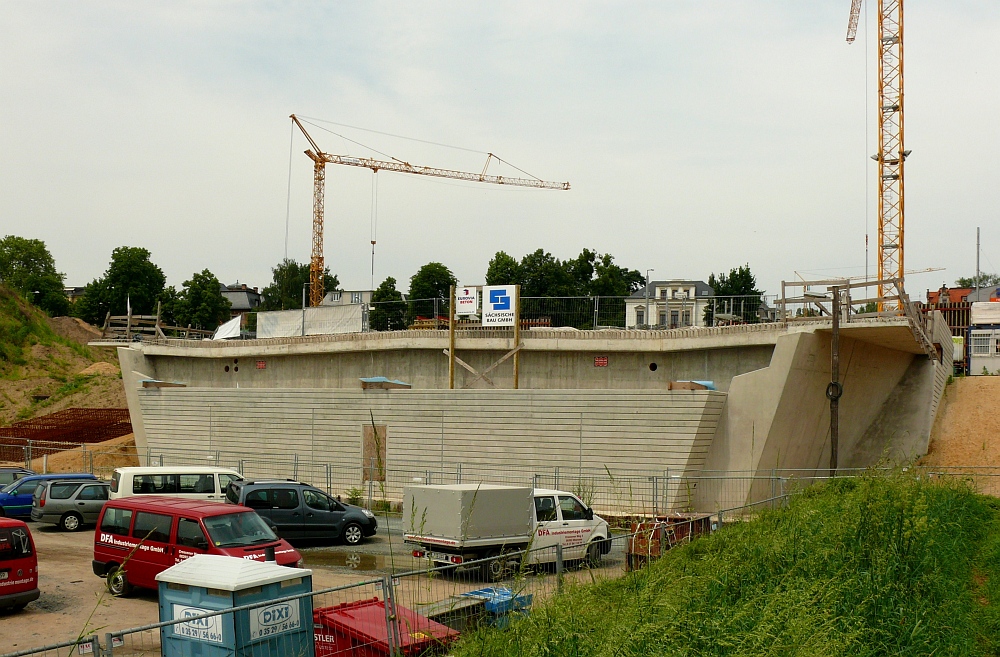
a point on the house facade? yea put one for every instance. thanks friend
(669, 304)
(242, 299)
(347, 297)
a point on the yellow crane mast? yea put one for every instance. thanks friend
(891, 152)
(321, 159)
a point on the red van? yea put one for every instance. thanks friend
(18, 565)
(149, 534)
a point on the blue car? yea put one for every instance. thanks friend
(15, 498)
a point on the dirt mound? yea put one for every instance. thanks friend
(967, 425)
(75, 329)
(102, 368)
(105, 457)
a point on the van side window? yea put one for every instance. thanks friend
(152, 527)
(257, 499)
(571, 509)
(116, 521)
(285, 498)
(115, 480)
(545, 509)
(226, 479)
(317, 500)
(197, 483)
(189, 534)
(154, 484)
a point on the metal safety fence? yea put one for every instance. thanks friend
(415, 612)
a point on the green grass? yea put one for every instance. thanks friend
(21, 325)
(878, 565)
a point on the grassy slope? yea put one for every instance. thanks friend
(35, 360)
(871, 566)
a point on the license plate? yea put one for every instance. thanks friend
(3, 575)
(437, 556)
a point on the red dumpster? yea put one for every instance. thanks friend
(358, 629)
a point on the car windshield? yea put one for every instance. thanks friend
(238, 530)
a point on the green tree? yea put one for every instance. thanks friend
(610, 280)
(740, 282)
(27, 266)
(285, 290)
(171, 306)
(389, 313)
(503, 270)
(432, 281)
(131, 278)
(543, 275)
(985, 280)
(201, 303)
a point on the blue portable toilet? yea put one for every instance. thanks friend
(210, 582)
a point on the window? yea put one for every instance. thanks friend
(24, 488)
(98, 492)
(640, 316)
(257, 499)
(686, 318)
(545, 509)
(189, 534)
(674, 315)
(982, 343)
(663, 318)
(152, 527)
(154, 484)
(238, 530)
(317, 500)
(284, 498)
(14, 543)
(355, 297)
(115, 480)
(335, 296)
(226, 479)
(197, 483)
(116, 521)
(62, 491)
(571, 508)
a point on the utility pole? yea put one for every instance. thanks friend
(835, 389)
(304, 286)
(976, 280)
(451, 339)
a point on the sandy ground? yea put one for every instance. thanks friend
(967, 429)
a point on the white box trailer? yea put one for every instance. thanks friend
(457, 523)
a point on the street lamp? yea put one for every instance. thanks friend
(646, 311)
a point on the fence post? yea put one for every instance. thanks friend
(329, 480)
(295, 466)
(559, 568)
(557, 478)
(161, 460)
(390, 614)
(656, 499)
(83, 461)
(27, 455)
(534, 481)
(109, 645)
(149, 455)
(243, 470)
(427, 477)
(458, 474)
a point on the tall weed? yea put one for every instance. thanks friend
(876, 565)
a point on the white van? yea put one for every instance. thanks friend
(188, 482)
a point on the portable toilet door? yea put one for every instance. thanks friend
(208, 582)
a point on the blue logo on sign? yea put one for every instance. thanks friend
(499, 300)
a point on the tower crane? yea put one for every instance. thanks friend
(891, 153)
(321, 159)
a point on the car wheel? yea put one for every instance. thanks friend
(594, 554)
(118, 584)
(353, 534)
(497, 567)
(71, 522)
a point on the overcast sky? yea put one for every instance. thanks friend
(697, 136)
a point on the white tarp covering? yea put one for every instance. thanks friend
(986, 312)
(323, 320)
(230, 329)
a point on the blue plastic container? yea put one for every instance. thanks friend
(208, 582)
(500, 602)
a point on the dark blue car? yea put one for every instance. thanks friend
(15, 498)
